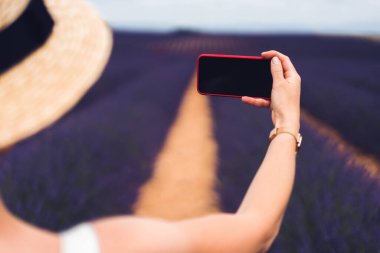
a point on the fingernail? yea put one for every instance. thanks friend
(275, 60)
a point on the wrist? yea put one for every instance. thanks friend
(289, 121)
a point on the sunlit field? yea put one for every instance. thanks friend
(93, 161)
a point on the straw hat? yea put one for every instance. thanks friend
(48, 82)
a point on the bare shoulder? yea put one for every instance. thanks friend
(144, 235)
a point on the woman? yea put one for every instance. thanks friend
(51, 63)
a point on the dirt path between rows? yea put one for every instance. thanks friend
(183, 182)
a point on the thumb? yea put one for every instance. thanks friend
(276, 69)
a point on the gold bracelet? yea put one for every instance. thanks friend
(276, 131)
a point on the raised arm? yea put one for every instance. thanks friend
(271, 188)
(256, 223)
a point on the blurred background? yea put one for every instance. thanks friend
(106, 148)
(245, 16)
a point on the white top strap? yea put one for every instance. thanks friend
(81, 238)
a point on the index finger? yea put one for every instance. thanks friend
(289, 69)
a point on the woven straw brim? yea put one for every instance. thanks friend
(49, 82)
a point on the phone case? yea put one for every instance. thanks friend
(223, 56)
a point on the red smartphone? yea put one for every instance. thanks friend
(234, 76)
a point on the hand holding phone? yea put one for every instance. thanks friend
(285, 100)
(234, 76)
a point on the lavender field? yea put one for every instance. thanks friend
(92, 162)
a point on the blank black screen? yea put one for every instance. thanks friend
(234, 76)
